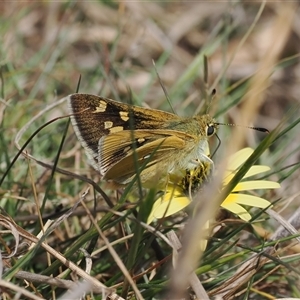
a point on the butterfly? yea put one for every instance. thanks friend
(123, 140)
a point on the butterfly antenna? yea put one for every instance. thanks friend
(210, 99)
(205, 70)
(261, 129)
(163, 87)
(204, 89)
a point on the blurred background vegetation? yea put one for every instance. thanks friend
(46, 46)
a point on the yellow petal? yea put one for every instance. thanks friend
(256, 169)
(255, 184)
(246, 200)
(227, 177)
(237, 209)
(167, 205)
(238, 158)
(234, 162)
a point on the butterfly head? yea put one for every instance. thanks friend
(206, 126)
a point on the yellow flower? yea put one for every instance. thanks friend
(178, 192)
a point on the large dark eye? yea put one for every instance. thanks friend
(210, 130)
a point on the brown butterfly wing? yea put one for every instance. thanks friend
(123, 152)
(95, 117)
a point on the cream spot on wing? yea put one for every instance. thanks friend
(108, 124)
(116, 129)
(124, 115)
(141, 140)
(102, 107)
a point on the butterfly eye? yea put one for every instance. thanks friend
(210, 129)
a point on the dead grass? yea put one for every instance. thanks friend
(45, 47)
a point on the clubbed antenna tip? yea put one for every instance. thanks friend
(261, 129)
